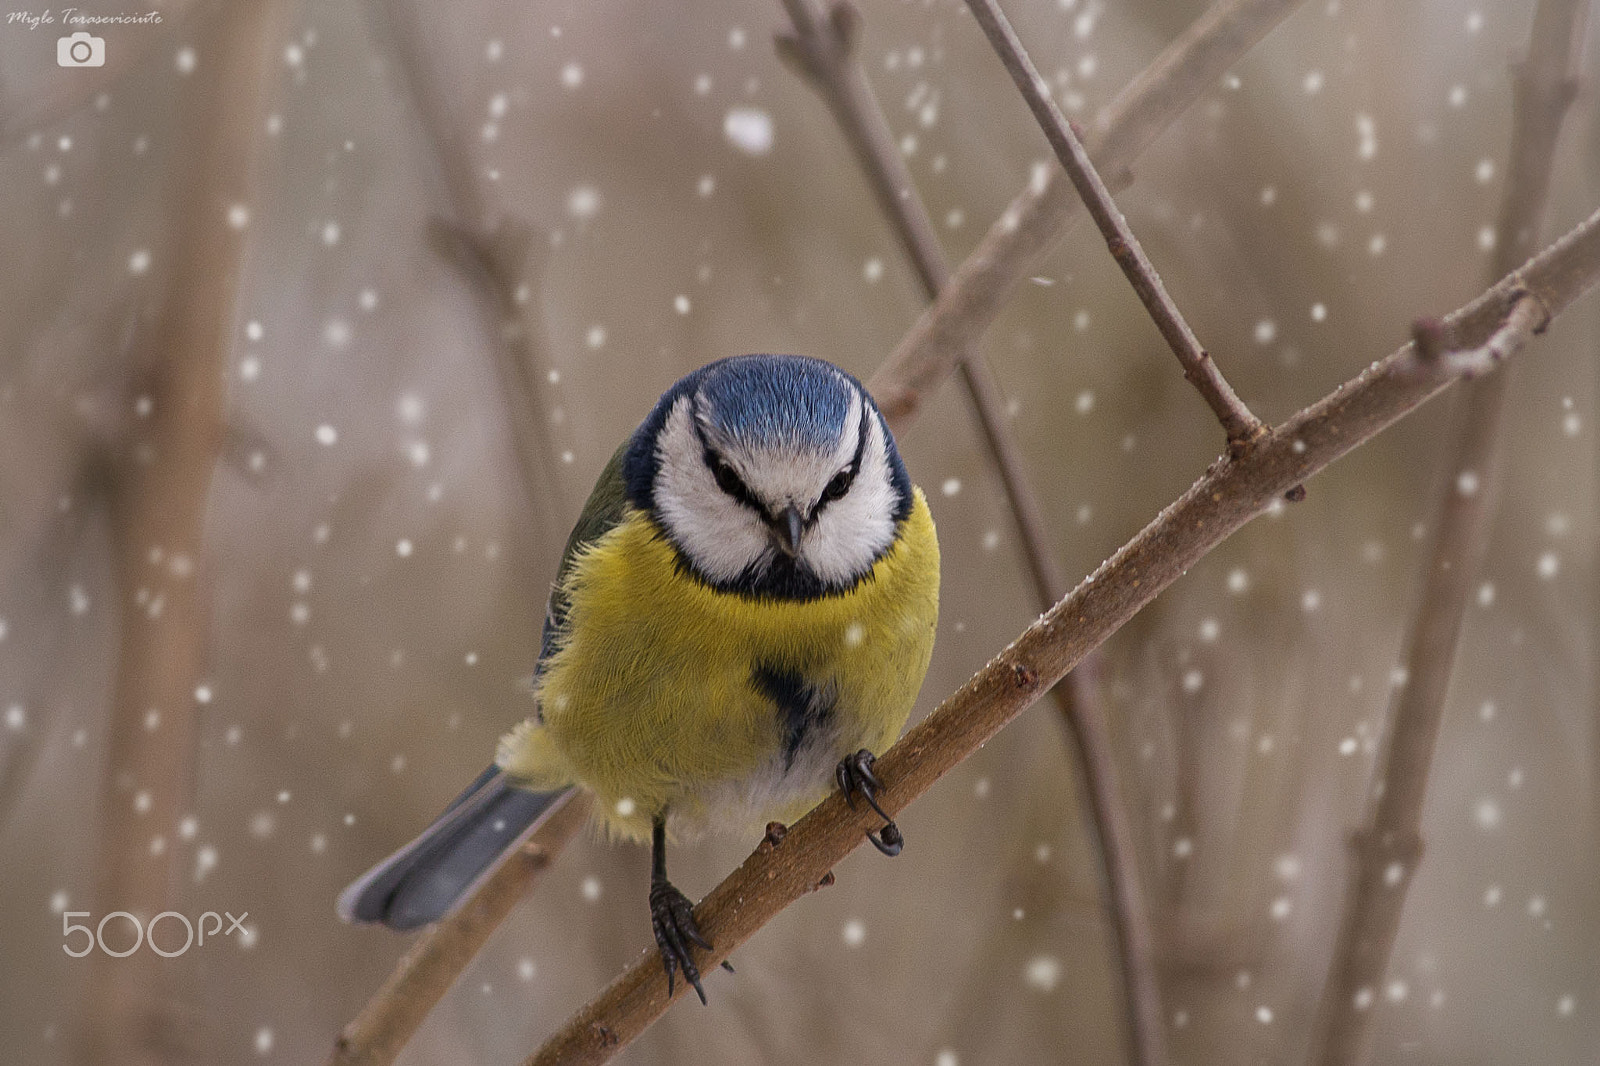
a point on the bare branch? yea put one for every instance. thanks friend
(503, 267)
(495, 253)
(1388, 847)
(823, 49)
(430, 967)
(1232, 491)
(159, 500)
(1041, 213)
(1199, 368)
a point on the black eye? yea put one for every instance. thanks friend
(727, 480)
(839, 485)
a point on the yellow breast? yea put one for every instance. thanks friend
(653, 705)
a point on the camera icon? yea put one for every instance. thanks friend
(81, 50)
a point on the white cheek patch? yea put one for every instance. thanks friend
(723, 537)
(852, 531)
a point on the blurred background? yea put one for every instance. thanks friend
(286, 460)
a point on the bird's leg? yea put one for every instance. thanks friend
(672, 916)
(855, 775)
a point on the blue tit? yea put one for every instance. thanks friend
(743, 614)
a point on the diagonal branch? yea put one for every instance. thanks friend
(1199, 368)
(428, 969)
(1041, 213)
(823, 49)
(495, 254)
(1232, 491)
(1387, 848)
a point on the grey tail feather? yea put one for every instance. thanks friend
(423, 881)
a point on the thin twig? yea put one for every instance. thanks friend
(430, 967)
(504, 267)
(1041, 212)
(1232, 491)
(823, 49)
(495, 253)
(1151, 102)
(159, 500)
(1199, 368)
(1388, 847)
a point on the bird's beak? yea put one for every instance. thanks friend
(787, 528)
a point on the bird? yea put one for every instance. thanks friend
(742, 618)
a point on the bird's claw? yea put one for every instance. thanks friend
(888, 840)
(672, 920)
(855, 775)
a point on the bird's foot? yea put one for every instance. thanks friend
(672, 919)
(855, 776)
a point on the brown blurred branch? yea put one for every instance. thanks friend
(159, 498)
(495, 253)
(1386, 850)
(47, 559)
(1232, 491)
(1199, 368)
(823, 49)
(430, 967)
(1041, 213)
(503, 267)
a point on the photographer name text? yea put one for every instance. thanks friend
(73, 16)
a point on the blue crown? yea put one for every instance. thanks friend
(767, 401)
(777, 401)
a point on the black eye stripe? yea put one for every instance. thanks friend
(848, 473)
(722, 472)
(727, 479)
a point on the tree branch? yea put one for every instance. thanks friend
(1199, 368)
(1386, 850)
(493, 252)
(1041, 213)
(1232, 491)
(430, 967)
(823, 50)
(160, 496)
